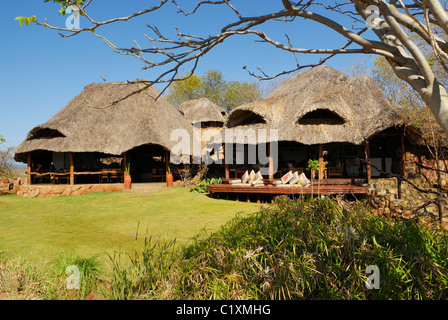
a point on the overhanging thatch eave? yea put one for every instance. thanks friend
(92, 122)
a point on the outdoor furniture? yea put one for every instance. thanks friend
(104, 175)
(156, 174)
(335, 171)
(57, 177)
(108, 174)
(43, 177)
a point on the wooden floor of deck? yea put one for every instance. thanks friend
(323, 189)
(326, 187)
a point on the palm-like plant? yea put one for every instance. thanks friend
(314, 165)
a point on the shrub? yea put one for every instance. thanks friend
(68, 266)
(315, 249)
(20, 279)
(145, 274)
(201, 187)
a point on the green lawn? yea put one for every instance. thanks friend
(101, 223)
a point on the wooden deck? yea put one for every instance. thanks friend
(327, 187)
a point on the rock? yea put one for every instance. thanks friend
(178, 183)
(34, 192)
(45, 190)
(408, 214)
(67, 192)
(392, 205)
(96, 188)
(58, 189)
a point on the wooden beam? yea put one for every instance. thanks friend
(271, 162)
(321, 161)
(125, 161)
(403, 156)
(227, 171)
(367, 154)
(226, 165)
(72, 169)
(28, 170)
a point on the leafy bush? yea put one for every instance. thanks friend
(201, 187)
(316, 249)
(145, 274)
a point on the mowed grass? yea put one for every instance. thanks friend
(102, 224)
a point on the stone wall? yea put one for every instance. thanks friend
(42, 191)
(383, 198)
(414, 171)
(383, 193)
(6, 182)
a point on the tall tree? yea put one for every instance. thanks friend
(351, 19)
(188, 89)
(212, 85)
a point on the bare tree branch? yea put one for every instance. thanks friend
(390, 38)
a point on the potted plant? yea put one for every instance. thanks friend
(127, 176)
(169, 178)
(313, 165)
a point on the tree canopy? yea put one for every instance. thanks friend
(227, 94)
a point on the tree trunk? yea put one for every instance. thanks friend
(438, 103)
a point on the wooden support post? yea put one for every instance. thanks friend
(403, 156)
(367, 154)
(72, 169)
(226, 165)
(125, 161)
(321, 161)
(167, 160)
(271, 162)
(28, 170)
(167, 164)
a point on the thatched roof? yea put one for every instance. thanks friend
(89, 123)
(202, 110)
(317, 106)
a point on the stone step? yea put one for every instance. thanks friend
(147, 187)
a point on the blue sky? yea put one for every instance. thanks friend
(41, 72)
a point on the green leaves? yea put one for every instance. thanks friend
(26, 20)
(213, 86)
(313, 164)
(65, 4)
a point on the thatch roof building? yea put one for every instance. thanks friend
(319, 106)
(89, 123)
(203, 110)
